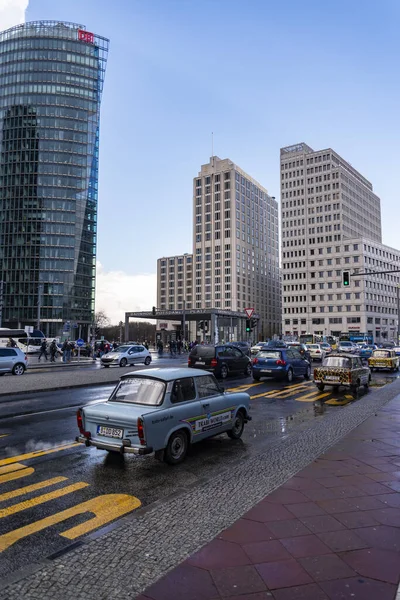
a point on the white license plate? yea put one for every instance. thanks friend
(200, 362)
(110, 431)
(332, 378)
(266, 371)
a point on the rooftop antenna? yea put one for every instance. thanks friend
(212, 148)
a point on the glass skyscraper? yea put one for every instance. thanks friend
(51, 81)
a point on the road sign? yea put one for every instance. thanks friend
(249, 312)
(80, 342)
(28, 328)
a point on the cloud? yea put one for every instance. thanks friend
(117, 292)
(12, 12)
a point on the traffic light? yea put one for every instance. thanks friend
(248, 325)
(153, 311)
(346, 278)
(253, 323)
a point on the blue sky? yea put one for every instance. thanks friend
(260, 75)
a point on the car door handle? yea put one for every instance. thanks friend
(206, 406)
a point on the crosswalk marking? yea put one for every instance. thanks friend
(14, 471)
(11, 510)
(14, 459)
(31, 488)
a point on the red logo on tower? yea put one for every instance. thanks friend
(85, 36)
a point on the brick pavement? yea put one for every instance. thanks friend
(330, 532)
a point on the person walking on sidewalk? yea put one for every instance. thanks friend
(43, 350)
(66, 351)
(53, 351)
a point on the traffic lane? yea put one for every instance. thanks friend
(278, 410)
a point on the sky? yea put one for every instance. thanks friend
(260, 75)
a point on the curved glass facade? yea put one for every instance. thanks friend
(51, 81)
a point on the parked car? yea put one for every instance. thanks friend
(342, 369)
(327, 348)
(397, 350)
(387, 345)
(283, 363)
(13, 360)
(316, 352)
(126, 355)
(366, 350)
(222, 360)
(345, 346)
(384, 358)
(163, 411)
(302, 348)
(243, 346)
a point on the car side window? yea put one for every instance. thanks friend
(183, 390)
(235, 352)
(140, 348)
(207, 386)
(7, 352)
(290, 354)
(222, 352)
(295, 353)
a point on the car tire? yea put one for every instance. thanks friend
(248, 370)
(224, 372)
(335, 388)
(177, 447)
(147, 360)
(256, 377)
(238, 425)
(18, 369)
(321, 387)
(307, 374)
(123, 362)
(289, 375)
(354, 389)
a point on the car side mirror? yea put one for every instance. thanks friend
(221, 389)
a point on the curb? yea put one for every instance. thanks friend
(53, 389)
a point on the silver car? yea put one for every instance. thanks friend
(13, 360)
(316, 352)
(128, 354)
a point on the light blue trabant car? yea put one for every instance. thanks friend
(163, 411)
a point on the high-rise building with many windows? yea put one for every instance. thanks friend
(51, 82)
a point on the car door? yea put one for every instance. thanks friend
(238, 359)
(185, 406)
(6, 359)
(290, 357)
(217, 413)
(140, 354)
(298, 361)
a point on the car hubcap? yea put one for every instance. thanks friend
(237, 426)
(177, 447)
(19, 370)
(224, 372)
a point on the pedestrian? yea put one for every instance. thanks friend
(11, 343)
(64, 349)
(53, 351)
(102, 348)
(43, 350)
(88, 350)
(114, 345)
(71, 349)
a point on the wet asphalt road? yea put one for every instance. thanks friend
(86, 474)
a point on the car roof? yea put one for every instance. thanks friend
(167, 374)
(342, 355)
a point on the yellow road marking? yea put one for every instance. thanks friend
(245, 386)
(106, 508)
(287, 391)
(4, 435)
(31, 488)
(15, 471)
(11, 510)
(337, 402)
(313, 396)
(13, 459)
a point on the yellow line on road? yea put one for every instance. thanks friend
(4, 435)
(14, 471)
(245, 386)
(338, 402)
(105, 508)
(11, 510)
(311, 397)
(31, 488)
(13, 459)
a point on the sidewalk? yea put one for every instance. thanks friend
(330, 532)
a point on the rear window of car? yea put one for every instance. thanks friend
(140, 390)
(337, 361)
(382, 354)
(313, 346)
(269, 354)
(203, 351)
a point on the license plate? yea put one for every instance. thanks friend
(110, 431)
(266, 371)
(200, 362)
(331, 378)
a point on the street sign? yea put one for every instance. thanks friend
(80, 342)
(28, 328)
(75, 325)
(249, 312)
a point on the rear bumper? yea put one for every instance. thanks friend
(115, 447)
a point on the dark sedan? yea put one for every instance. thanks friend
(222, 360)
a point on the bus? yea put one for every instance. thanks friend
(27, 342)
(310, 338)
(356, 337)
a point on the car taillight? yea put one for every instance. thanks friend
(140, 428)
(79, 419)
(189, 361)
(254, 361)
(318, 352)
(26, 358)
(214, 362)
(281, 362)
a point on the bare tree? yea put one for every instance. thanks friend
(101, 320)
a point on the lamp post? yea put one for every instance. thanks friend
(1, 301)
(398, 312)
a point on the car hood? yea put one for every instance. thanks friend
(113, 354)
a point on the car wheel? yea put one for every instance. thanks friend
(123, 362)
(335, 388)
(321, 387)
(307, 374)
(248, 370)
(147, 360)
(176, 449)
(289, 375)
(238, 425)
(224, 372)
(18, 369)
(256, 377)
(354, 389)
(366, 386)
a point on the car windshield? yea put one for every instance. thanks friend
(346, 343)
(337, 361)
(382, 354)
(313, 346)
(139, 390)
(122, 349)
(269, 354)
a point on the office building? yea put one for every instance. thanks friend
(174, 284)
(51, 81)
(331, 222)
(235, 248)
